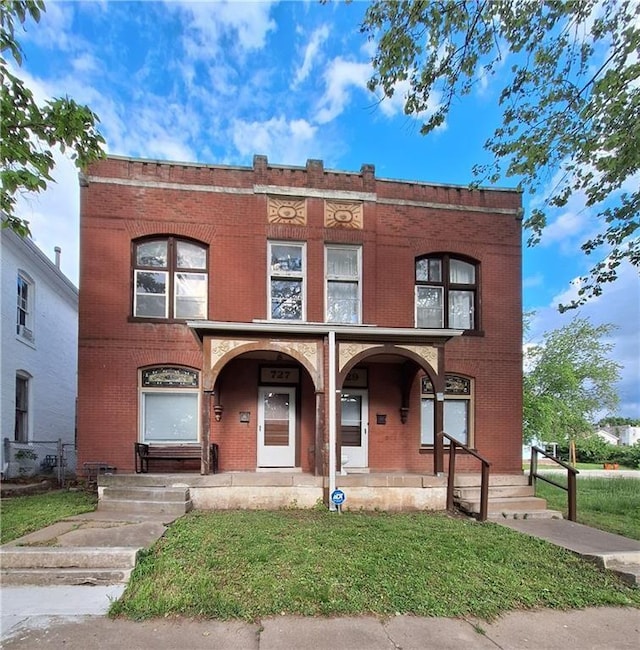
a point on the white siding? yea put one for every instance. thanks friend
(51, 359)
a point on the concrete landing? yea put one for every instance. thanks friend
(615, 552)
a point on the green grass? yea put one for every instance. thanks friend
(249, 565)
(22, 515)
(611, 504)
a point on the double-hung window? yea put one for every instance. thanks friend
(21, 431)
(286, 281)
(458, 396)
(446, 292)
(24, 314)
(343, 284)
(170, 279)
(169, 405)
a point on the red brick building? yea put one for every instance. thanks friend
(230, 304)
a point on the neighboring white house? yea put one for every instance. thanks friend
(627, 434)
(608, 434)
(38, 358)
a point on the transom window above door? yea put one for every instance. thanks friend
(446, 292)
(286, 290)
(170, 279)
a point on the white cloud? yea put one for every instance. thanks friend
(311, 52)
(280, 139)
(340, 78)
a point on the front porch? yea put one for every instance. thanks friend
(390, 491)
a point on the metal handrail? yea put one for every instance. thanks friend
(484, 477)
(570, 488)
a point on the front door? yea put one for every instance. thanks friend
(354, 424)
(276, 426)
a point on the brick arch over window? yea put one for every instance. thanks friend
(447, 289)
(170, 278)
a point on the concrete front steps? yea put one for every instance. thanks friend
(145, 499)
(510, 497)
(66, 566)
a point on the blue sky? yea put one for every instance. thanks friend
(217, 82)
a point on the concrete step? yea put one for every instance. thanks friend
(168, 494)
(495, 492)
(132, 506)
(516, 504)
(61, 576)
(474, 480)
(525, 514)
(30, 557)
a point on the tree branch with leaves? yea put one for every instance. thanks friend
(570, 101)
(29, 131)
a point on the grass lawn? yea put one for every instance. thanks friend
(252, 564)
(22, 515)
(611, 504)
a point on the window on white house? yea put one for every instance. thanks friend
(343, 284)
(170, 279)
(286, 281)
(445, 293)
(21, 432)
(25, 307)
(458, 397)
(169, 405)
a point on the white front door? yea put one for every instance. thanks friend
(354, 424)
(276, 426)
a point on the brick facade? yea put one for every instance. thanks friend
(228, 209)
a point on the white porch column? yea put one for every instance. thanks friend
(332, 416)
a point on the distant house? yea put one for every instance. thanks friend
(608, 435)
(302, 319)
(625, 434)
(39, 358)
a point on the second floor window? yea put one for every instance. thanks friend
(343, 297)
(24, 315)
(446, 293)
(286, 281)
(170, 279)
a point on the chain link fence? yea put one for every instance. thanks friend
(50, 458)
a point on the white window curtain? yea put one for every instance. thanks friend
(461, 272)
(461, 310)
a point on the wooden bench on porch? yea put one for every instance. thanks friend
(146, 452)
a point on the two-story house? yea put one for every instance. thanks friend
(305, 320)
(39, 335)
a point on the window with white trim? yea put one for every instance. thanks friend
(21, 431)
(458, 397)
(445, 292)
(169, 405)
(170, 279)
(25, 307)
(343, 296)
(286, 281)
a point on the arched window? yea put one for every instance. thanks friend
(446, 292)
(169, 404)
(170, 279)
(458, 398)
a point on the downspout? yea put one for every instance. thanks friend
(332, 416)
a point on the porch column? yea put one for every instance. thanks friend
(319, 456)
(332, 416)
(438, 447)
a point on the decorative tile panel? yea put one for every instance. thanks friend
(427, 352)
(343, 214)
(286, 210)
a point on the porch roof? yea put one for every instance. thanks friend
(202, 328)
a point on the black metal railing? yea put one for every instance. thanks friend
(569, 488)
(484, 475)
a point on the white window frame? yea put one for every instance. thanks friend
(347, 280)
(25, 331)
(144, 391)
(285, 275)
(450, 398)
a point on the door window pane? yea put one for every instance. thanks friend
(276, 419)
(351, 420)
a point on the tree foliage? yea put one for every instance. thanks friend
(570, 104)
(30, 132)
(569, 378)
